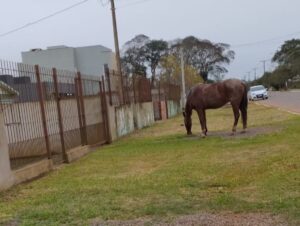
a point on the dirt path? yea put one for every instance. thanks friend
(251, 132)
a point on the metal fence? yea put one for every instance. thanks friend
(58, 110)
(138, 89)
(162, 92)
(128, 89)
(55, 111)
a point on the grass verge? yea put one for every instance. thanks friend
(160, 172)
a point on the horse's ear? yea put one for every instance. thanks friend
(183, 113)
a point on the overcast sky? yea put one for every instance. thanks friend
(234, 22)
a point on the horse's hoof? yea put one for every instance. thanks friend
(203, 135)
(189, 133)
(244, 131)
(232, 134)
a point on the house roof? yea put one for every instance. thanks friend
(7, 90)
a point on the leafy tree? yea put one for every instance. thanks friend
(288, 60)
(133, 62)
(279, 77)
(289, 56)
(170, 68)
(153, 52)
(206, 57)
(133, 57)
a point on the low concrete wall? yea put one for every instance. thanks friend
(77, 153)
(131, 117)
(173, 108)
(163, 109)
(112, 122)
(6, 176)
(143, 115)
(32, 171)
(124, 120)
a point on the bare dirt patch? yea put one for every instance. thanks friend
(251, 132)
(205, 219)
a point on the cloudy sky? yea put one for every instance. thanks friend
(254, 28)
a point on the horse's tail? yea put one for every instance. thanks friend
(244, 106)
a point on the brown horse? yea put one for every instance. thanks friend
(212, 96)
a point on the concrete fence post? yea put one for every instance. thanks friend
(6, 176)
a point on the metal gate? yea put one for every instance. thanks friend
(55, 111)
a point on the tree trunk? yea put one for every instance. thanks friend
(204, 75)
(152, 77)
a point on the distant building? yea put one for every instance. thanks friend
(27, 89)
(88, 60)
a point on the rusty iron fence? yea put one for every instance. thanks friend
(138, 89)
(55, 111)
(162, 92)
(58, 110)
(132, 89)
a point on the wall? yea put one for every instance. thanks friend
(173, 108)
(6, 177)
(124, 120)
(61, 57)
(88, 60)
(112, 122)
(91, 59)
(25, 132)
(143, 115)
(131, 117)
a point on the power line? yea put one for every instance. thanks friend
(104, 3)
(264, 41)
(43, 18)
(133, 3)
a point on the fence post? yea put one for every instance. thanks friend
(166, 99)
(106, 113)
(78, 109)
(60, 122)
(42, 107)
(6, 177)
(82, 109)
(134, 91)
(107, 76)
(159, 102)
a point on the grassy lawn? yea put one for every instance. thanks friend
(160, 172)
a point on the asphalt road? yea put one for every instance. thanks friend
(289, 100)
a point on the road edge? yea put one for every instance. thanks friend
(278, 108)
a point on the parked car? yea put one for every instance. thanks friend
(258, 92)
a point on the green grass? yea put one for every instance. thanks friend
(160, 172)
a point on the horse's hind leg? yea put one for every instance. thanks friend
(236, 113)
(201, 115)
(205, 125)
(244, 118)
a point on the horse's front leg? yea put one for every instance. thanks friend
(201, 115)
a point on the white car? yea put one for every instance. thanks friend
(258, 92)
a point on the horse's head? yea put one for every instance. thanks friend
(188, 122)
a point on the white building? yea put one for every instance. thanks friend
(88, 60)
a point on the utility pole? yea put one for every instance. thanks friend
(255, 73)
(264, 65)
(249, 75)
(182, 78)
(117, 49)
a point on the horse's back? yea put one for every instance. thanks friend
(217, 94)
(234, 87)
